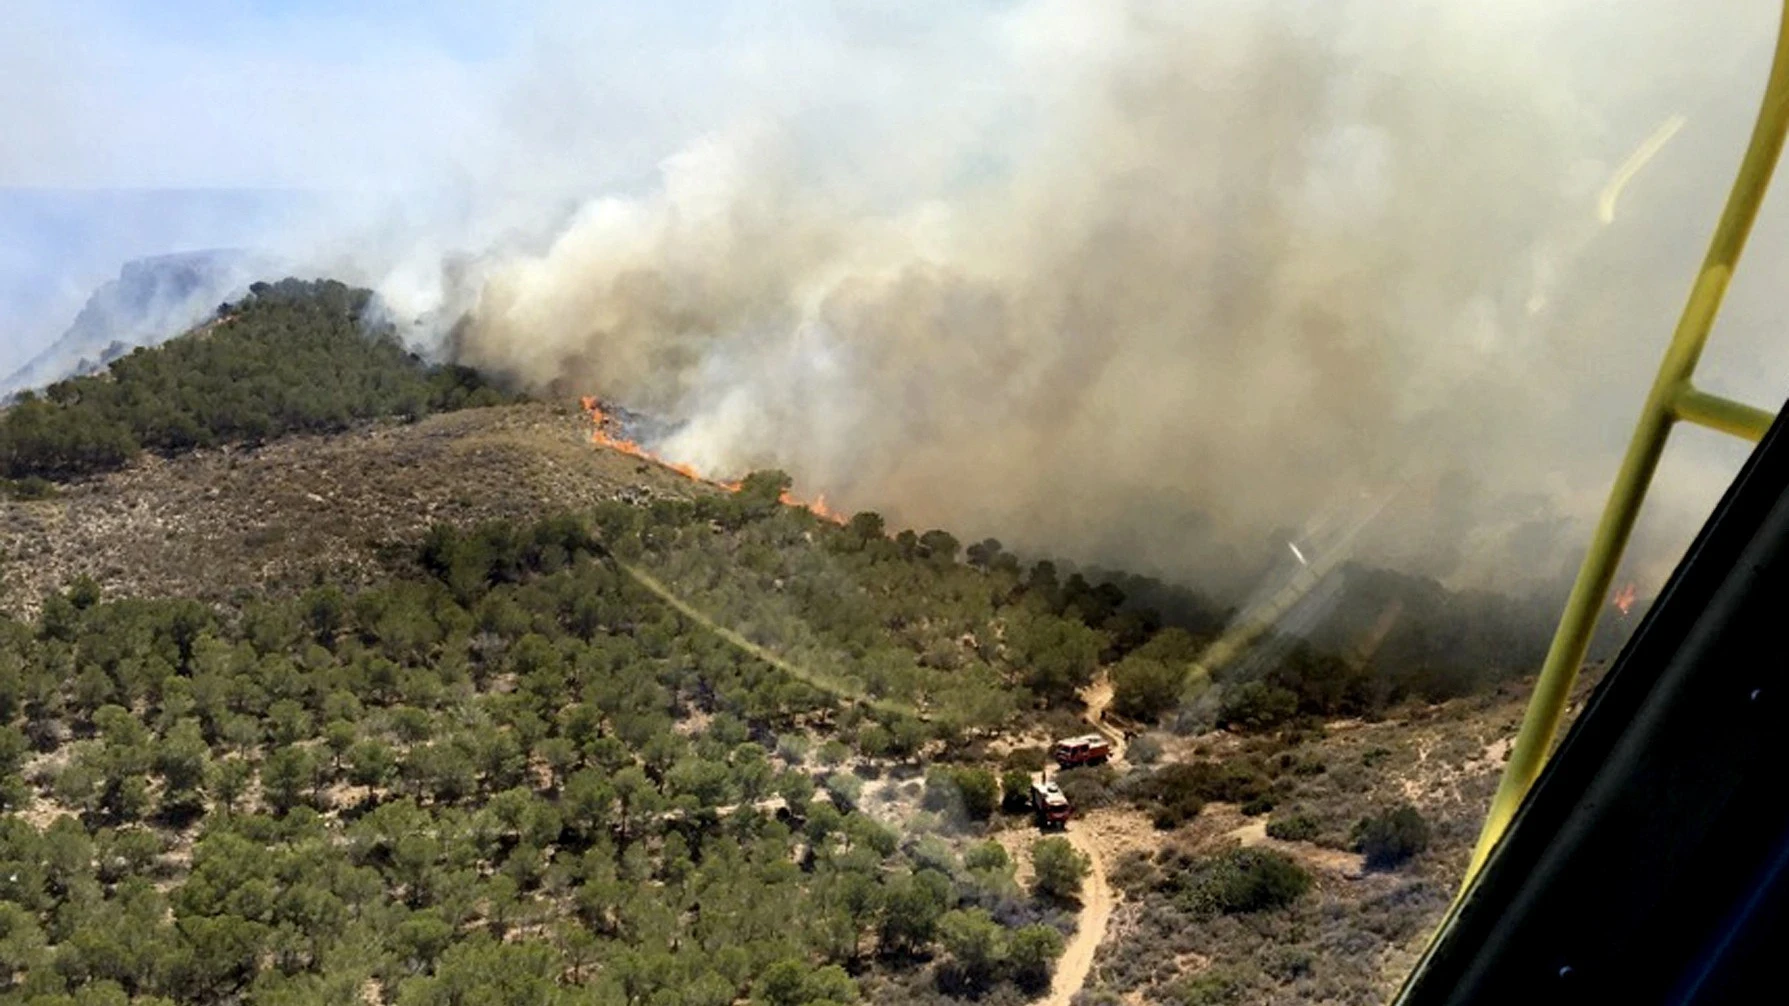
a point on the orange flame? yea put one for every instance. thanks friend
(1624, 598)
(600, 436)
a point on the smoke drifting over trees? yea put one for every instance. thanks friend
(1148, 284)
(1216, 273)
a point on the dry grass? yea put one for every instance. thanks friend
(279, 515)
(1357, 932)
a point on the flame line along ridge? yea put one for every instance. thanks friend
(601, 422)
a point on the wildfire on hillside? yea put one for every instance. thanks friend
(601, 425)
(1624, 598)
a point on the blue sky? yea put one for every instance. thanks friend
(331, 94)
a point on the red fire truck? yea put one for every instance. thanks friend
(1088, 749)
(1049, 805)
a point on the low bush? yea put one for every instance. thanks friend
(1145, 750)
(1176, 793)
(1087, 787)
(1208, 988)
(1015, 791)
(1296, 826)
(1242, 880)
(1256, 706)
(1390, 838)
(1059, 867)
(966, 793)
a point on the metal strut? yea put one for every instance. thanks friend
(1673, 397)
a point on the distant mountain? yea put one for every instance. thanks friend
(152, 300)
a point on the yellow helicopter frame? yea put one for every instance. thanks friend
(1673, 398)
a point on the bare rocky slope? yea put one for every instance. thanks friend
(211, 522)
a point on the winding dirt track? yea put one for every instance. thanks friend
(1096, 912)
(1097, 901)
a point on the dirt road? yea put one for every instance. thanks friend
(1098, 696)
(1096, 912)
(1097, 900)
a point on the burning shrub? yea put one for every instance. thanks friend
(1145, 750)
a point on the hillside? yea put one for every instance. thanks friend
(291, 357)
(151, 299)
(459, 707)
(211, 522)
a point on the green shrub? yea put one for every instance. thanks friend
(31, 487)
(980, 791)
(1256, 705)
(292, 357)
(1391, 837)
(1296, 826)
(1213, 987)
(1244, 880)
(1015, 791)
(1145, 689)
(1059, 868)
(1031, 952)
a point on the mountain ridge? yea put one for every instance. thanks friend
(152, 299)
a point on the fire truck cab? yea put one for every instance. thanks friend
(1049, 805)
(1088, 749)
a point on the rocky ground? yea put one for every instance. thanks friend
(277, 515)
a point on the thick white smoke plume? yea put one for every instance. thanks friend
(1152, 283)
(1149, 282)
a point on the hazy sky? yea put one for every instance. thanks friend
(465, 116)
(135, 127)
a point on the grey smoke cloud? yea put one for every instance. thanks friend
(1143, 283)
(1225, 269)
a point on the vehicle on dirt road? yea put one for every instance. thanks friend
(1088, 749)
(1048, 804)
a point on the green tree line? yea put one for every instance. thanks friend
(290, 357)
(507, 774)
